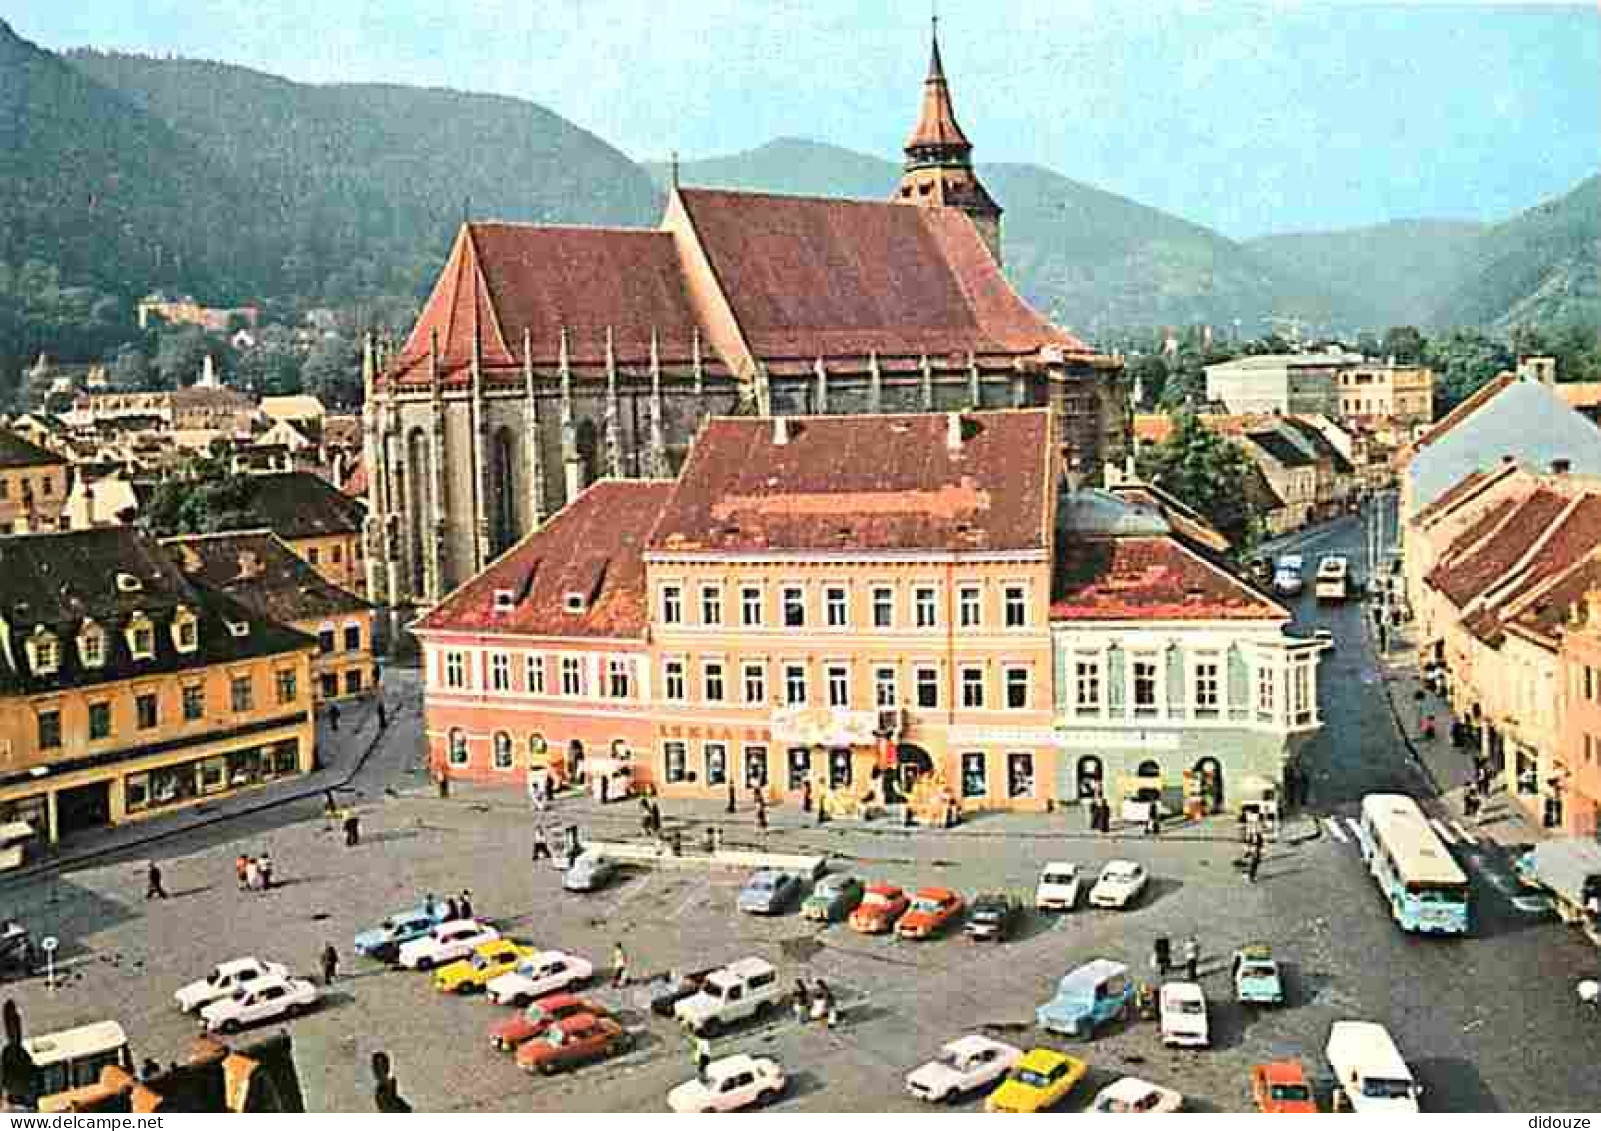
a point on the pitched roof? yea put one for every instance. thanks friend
(1464, 489)
(298, 504)
(15, 451)
(813, 276)
(591, 547)
(1149, 578)
(864, 483)
(1281, 448)
(256, 569)
(1547, 615)
(1485, 552)
(1320, 444)
(1184, 519)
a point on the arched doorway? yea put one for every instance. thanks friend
(1210, 771)
(911, 763)
(1091, 777)
(1149, 768)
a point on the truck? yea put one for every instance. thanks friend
(1370, 1074)
(1569, 871)
(747, 988)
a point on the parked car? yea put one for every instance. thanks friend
(1058, 887)
(267, 998)
(1087, 998)
(747, 988)
(675, 988)
(993, 916)
(964, 1065)
(527, 1024)
(1257, 978)
(833, 898)
(769, 893)
(1281, 1088)
(384, 941)
(572, 1041)
(932, 910)
(1183, 1006)
(1039, 1080)
(225, 979)
(543, 973)
(487, 962)
(1121, 882)
(730, 1084)
(445, 943)
(1133, 1096)
(590, 872)
(880, 907)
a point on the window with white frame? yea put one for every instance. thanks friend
(673, 680)
(885, 693)
(499, 672)
(1266, 682)
(795, 684)
(972, 687)
(754, 677)
(716, 755)
(619, 677)
(836, 606)
(750, 606)
(1015, 601)
(711, 680)
(756, 766)
(457, 752)
(1087, 684)
(794, 601)
(572, 675)
(924, 607)
(1301, 692)
(1019, 774)
(534, 673)
(502, 751)
(675, 760)
(672, 604)
(839, 685)
(969, 606)
(455, 669)
(1208, 684)
(975, 774)
(1145, 684)
(928, 688)
(883, 606)
(1016, 689)
(92, 646)
(711, 604)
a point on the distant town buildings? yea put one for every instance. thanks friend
(1288, 384)
(33, 485)
(185, 311)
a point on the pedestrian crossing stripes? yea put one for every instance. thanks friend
(1444, 830)
(1463, 833)
(1333, 825)
(1356, 829)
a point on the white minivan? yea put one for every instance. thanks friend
(1369, 1070)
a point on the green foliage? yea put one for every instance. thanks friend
(205, 499)
(1208, 472)
(332, 372)
(41, 313)
(272, 368)
(1576, 348)
(1462, 361)
(129, 370)
(181, 355)
(1404, 343)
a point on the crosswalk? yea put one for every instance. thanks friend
(1346, 830)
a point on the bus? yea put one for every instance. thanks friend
(1333, 578)
(1427, 891)
(73, 1058)
(1287, 575)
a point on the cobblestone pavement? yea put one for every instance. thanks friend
(1488, 1022)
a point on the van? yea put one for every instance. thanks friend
(1369, 1071)
(747, 988)
(73, 1058)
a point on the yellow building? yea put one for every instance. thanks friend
(33, 486)
(126, 689)
(316, 520)
(1387, 392)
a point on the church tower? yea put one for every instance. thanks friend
(939, 159)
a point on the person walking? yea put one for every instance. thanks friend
(264, 866)
(1192, 958)
(153, 888)
(464, 905)
(333, 718)
(241, 869)
(330, 964)
(383, 718)
(1470, 802)
(824, 1007)
(802, 1003)
(452, 910)
(729, 808)
(619, 965)
(703, 1058)
(1253, 861)
(352, 829)
(761, 817)
(430, 905)
(541, 844)
(806, 795)
(1162, 955)
(1153, 818)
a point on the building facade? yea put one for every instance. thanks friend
(1387, 394)
(1287, 384)
(33, 486)
(1578, 764)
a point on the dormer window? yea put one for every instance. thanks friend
(575, 603)
(128, 583)
(185, 630)
(141, 635)
(45, 652)
(239, 628)
(92, 645)
(505, 600)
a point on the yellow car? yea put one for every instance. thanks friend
(488, 961)
(1042, 1078)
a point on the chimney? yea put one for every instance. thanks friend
(249, 565)
(780, 431)
(1561, 466)
(953, 431)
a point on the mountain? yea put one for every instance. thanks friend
(1540, 268)
(1386, 275)
(1092, 259)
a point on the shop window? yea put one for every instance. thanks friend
(49, 730)
(1020, 775)
(244, 768)
(457, 750)
(502, 754)
(99, 721)
(288, 686)
(136, 793)
(213, 775)
(800, 766)
(675, 760)
(146, 711)
(285, 757)
(750, 606)
(756, 766)
(194, 701)
(716, 763)
(928, 688)
(839, 768)
(975, 776)
(883, 607)
(353, 682)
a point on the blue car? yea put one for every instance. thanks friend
(1089, 997)
(1257, 979)
(383, 941)
(769, 893)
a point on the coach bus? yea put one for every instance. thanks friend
(1333, 579)
(1427, 891)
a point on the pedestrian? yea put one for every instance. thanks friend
(703, 1058)
(802, 1004)
(352, 829)
(822, 809)
(333, 718)
(822, 1001)
(757, 798)
(1153, 818)
(241, 868)
(761, 818)
(383, 719)
(1162, 955)
(573, 852)
(1253, 861)
(656, 817)
(253, 874)
(264, 866)
(330, 811)
(1192, 958)
(541, 844)
(806, 796)
(386, 1095)
(730, 806)
(430, 906)
(330, 964)
(619, 965)
(452, 910)
(464, 906)
(153, 888)
(550, 787)
(605, 788)
(1470, 802)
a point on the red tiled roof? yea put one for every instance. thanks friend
(809, 276)
(936, 125)
(355, 484)
(864, 483)
(1483, 554)
(1575, 538)
(1148, 578)
(591, 546)
(1462, 490)
(1547, 615)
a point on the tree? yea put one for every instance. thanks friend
(129, 371)
(180, 355)
(332, 372)
(1148, 374)
(1463, 360)
(1406, 344)
(1209, 473)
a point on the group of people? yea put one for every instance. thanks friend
(1100, 813)
(453, 908)
(651, 816)
(815, 1003)
(758, 801)
(1162, 956)
(254, 873)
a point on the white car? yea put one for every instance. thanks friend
(266, 998)
(225, 979)
(1184, 1015)
(1133, 1096)
(1119, 885)
(544, 973)
(730, 1084)
(963, 1065)
(445, 943)
(1058, 887)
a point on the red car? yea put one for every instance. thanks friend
(878, 910)
(932, 910)
(572, 1041)
(528, 1023)
(1280, 1088)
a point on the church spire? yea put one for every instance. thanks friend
(938, 139)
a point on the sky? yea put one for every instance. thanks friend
(1250, 118)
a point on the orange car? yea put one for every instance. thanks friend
(1280, 1088)
(878, 910)
(932, 910)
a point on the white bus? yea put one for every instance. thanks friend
(1426, 889)
(1333, 578)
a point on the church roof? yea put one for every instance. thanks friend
(814, 276)
(863, 484)
(936, 126)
